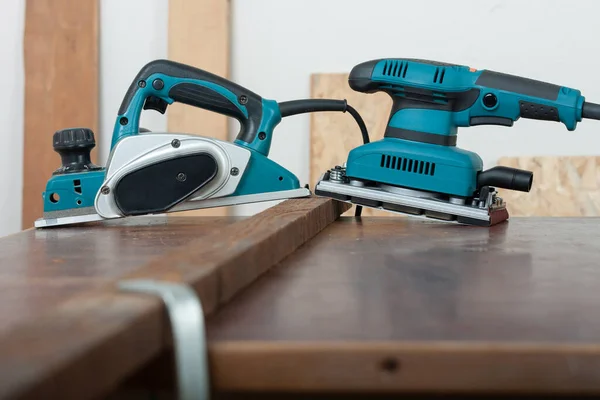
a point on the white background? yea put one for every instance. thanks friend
(277, 44)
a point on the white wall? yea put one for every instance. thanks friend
(133, 32)
(277, 44)
(11, 114)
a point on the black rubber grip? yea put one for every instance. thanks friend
(199, 95)
(518, 84)
(423, 137)
(203, 97)
(538, 111)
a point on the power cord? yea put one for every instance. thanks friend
(294, 107)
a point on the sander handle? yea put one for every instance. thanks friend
(432, 99)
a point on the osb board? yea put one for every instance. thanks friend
(199, 36)
(333, 135)
(61, 87)
(562, 186)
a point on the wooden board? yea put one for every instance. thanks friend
(66, 332)
(61, 87)
(562, 186)
(199, 36)
(388, 305)
(333, 135)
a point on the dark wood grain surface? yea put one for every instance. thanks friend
(70, 333)
(402, 304)
(383, 279)
(40, 268)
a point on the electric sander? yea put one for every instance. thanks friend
(416, 169)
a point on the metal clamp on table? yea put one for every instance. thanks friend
(189, 336)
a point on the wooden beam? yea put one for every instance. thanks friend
(61, 87)
(199, 36)
(378, 367)
(86, 345)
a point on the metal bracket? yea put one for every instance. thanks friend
(189, 336)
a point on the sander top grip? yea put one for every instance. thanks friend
(436, 98)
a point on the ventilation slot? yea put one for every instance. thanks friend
(395, 68)
(440, 73)
(407, 165)
(77, 186)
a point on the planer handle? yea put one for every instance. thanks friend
(163, 82)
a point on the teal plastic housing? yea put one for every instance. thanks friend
(442, 169)
(263, 175)
(439, 81)
(436, 98)
(270, 119)
(72, 191)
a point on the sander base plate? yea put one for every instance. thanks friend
(488, 211)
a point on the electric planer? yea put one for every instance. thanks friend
(155, 173)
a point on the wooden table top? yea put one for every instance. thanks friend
(41, 268)
(68, 331)
(383, 279)
(367, 305)
(410, 304)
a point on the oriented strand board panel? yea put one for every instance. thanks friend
(199, 36)
(333, 135)
(562, 187)
(61, 87)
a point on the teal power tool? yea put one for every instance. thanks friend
(155, 173)
(416, 168)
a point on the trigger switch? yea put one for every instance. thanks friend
(491, 121)
(156, 104)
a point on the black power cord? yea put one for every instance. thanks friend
(294, 107)
(590, 110)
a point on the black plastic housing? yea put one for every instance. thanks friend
(506, 178)
(74, 146)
